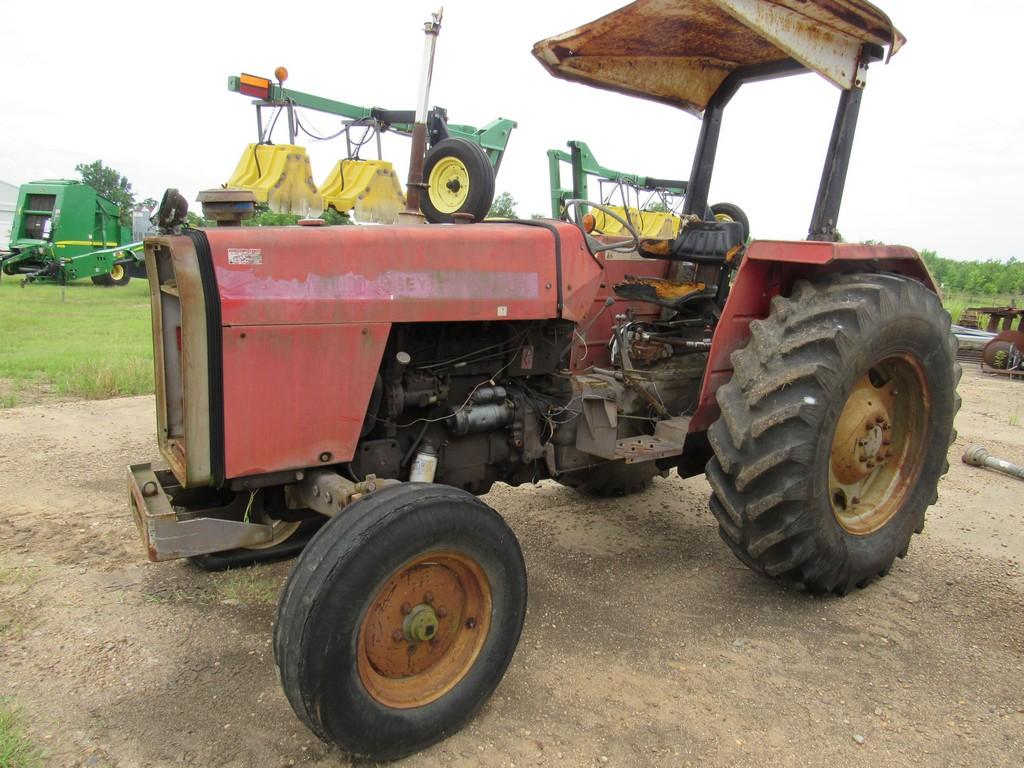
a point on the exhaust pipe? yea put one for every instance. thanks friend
(415, 184)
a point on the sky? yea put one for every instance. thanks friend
(939, 151)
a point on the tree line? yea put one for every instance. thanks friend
(979, 277)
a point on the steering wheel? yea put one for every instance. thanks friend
(596, 246)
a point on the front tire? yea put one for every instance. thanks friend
(834, 430)
(400, 618)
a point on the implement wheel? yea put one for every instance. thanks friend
(730, 212)
(459, 178)
(118, 275)
(400, 618)
(834, 430)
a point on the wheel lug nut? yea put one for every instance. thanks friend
(879, 420)
(470, 623)
(442, 612)
(397, 635)
(406, 609)
(428, 597)
(855, 500)
(871, 465)
(862, 441)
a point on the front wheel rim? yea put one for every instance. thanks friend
(117, 271)
(424, 629)
(879, 445)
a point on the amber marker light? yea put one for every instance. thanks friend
(251, 85)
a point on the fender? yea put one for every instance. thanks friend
(769, 269)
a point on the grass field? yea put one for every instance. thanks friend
(94, 344)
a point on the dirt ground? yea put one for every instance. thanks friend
(646, 642)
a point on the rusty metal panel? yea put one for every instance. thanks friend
(289, 275)
(889, 258)
(182, 386)
(295, 396)
(166, 537)
(582, 277)
(679, 51)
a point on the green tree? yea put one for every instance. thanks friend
(111, 184)
(977, 277)
(194, 220)
(266, 218)
(148, 204)
(503, 207)
(334, 218)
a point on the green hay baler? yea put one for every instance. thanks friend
(65, 231)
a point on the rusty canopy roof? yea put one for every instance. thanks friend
(679, 51)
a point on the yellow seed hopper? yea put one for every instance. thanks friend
(369, 188)
(280, 176)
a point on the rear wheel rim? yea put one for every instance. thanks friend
(424, 629)
(117, 271)
(448, 184)
(879, 445)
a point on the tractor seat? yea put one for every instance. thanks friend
(656, 290)
(699, 242)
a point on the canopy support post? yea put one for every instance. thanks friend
(837, 163)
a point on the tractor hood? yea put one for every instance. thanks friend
(679, 51)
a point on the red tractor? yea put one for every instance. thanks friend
(349, 392)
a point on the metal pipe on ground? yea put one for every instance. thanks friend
(978, 456)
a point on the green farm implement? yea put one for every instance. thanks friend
(457, 175)
(65, 231)
(652, 206)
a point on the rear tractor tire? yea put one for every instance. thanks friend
(400, 618)
(834, 430)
